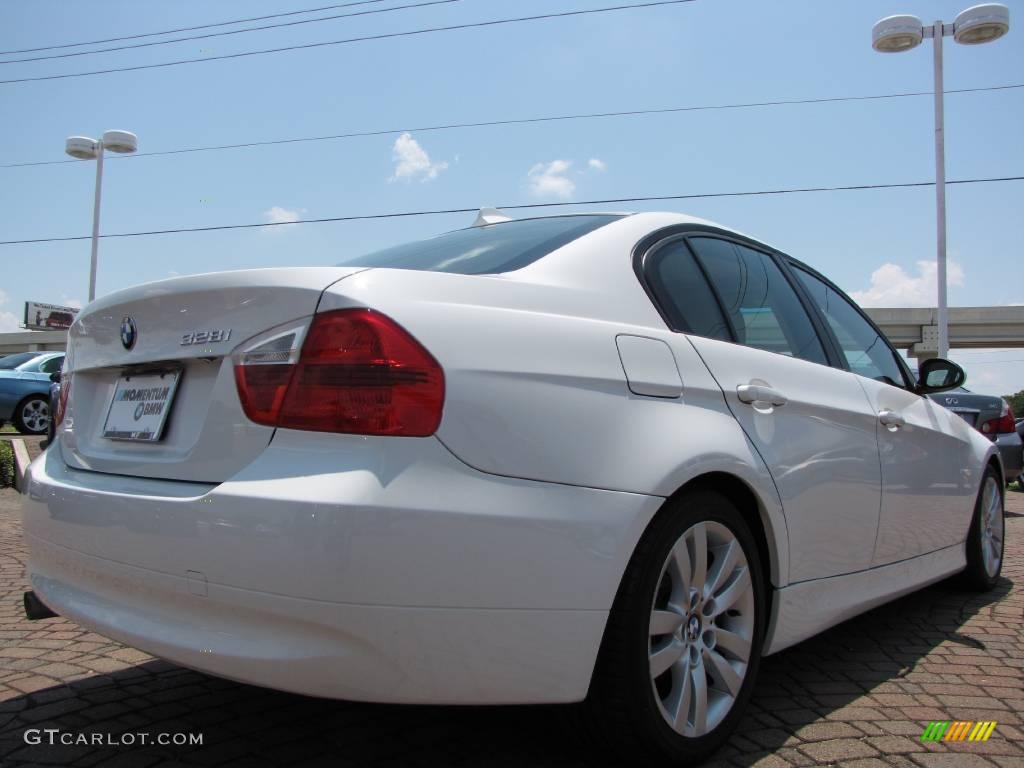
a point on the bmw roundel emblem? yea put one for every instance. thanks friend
(128, 332)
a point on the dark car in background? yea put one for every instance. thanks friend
(993, 417)
(1020, 433)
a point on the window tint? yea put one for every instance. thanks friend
(682, 292)
(485, 250)
(762, 305)
(51, 365)
(867, 353)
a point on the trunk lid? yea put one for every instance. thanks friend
(189, 325)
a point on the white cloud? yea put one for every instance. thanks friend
(893, 286)
(10, 322)
(596, 164)
(549, 180)
(282, 216)
(412, 161)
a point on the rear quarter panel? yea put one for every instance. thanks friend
(535, 387)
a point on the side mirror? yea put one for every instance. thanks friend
(937, 375)
(55, 377)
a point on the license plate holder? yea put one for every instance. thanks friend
(140, 405)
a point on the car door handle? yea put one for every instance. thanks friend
(760, 393)
(891, 419)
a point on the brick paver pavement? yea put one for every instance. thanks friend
(34, 446)
(858, 696)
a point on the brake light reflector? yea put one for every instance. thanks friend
(1001, 426)
(62, 400)
(358, 372)
(261, 388)
(263, 370)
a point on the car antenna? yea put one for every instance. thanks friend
(490, 216)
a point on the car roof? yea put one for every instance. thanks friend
(656, 220)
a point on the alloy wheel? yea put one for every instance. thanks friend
(701, 629)
(991, 526)
(35, 415)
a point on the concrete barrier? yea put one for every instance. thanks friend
(21, 462)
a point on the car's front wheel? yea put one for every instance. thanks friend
(985, 537)
(32, 416)
(683, 641)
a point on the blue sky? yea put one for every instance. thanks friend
(698, 53)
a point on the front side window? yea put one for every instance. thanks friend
(866, 352)
(761, 304)
(486, 250)
(52, 365)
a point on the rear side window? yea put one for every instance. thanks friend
(761, 304)
(487, 250)
(684, 295)
(866, 352)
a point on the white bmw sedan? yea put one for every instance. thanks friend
(611, 458)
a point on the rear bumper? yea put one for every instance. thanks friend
(1011, 452)
(372, 569)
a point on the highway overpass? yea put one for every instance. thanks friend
(969, 328)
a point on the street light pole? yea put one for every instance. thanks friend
(96, 220)
(893, 34)
(84, 148)
(940, 192)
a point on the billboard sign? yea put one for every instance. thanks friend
(48, 317)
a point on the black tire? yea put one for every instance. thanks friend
(622, 708)
(38, 403)
(979, 575)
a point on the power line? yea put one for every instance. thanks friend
(525, 121)
(521, 206)
(191, 29)
(230, 32)
(361, 39)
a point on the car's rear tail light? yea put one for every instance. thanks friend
(358, 372)
(263, 370)
(1001, 426)
(62, 399)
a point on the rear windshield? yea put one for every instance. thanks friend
(13, 361)
(486, 250)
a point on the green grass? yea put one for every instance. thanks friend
(6, 464)
(7, 429)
